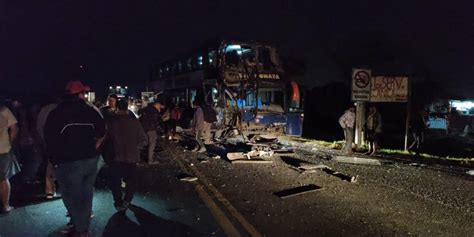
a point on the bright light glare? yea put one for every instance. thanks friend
(462, 105)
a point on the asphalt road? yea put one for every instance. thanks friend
(164, 206)
(393, 199)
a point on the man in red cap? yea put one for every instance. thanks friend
(73, 132)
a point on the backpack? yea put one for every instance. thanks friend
(210, 115)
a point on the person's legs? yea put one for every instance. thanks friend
(131, 176)
(152, 137)
(50, 178)
(201, 145)
(207, 133)
(349, 139)
(115, 183)
(5, 189)
(345, 140)
(76, 180)
(88, 181)
(375, 142)
(69, 177)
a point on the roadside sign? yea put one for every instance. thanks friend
(389, 89)
(361, 79)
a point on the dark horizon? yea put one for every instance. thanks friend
(116, 41)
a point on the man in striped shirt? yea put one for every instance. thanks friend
(347, 121)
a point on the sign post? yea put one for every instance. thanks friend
(361, 84)
(407, 123)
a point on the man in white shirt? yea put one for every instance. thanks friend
(347, 121)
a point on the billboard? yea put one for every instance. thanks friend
(389, 89)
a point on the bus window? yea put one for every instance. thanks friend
(248, 55)
(189, 65)
(264, 58)
(212, 95)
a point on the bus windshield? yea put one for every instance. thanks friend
(269, 99)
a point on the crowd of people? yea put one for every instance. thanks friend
(73, 139)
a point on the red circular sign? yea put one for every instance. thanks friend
(362, 79)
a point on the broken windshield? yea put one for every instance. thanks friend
(234, 54)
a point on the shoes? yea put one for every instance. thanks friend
(7, 210)
(122, 207)
(52, 195)
(202, 150)
(153, 162)
(68, 229)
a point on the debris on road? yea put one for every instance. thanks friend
(470, 172)
(417, 164)
(251, 155)
(297, 191)
(187, 178)
(309, 166)
(252, 161)
(356, 160)
(345, 177)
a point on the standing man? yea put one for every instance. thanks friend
(347, 121)
(199, 126)
(127, 137)
(8, 163)
(50, 187)
(418, 126)
(373, 130)
(109, 110)
(73, 132)
(150, 118)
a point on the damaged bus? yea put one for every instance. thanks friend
(243, 81)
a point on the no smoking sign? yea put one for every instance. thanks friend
(361, 84)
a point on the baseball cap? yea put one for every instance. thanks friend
(76, 87)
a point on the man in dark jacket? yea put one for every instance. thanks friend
(127, 137)
(73, 132)
(150, 118)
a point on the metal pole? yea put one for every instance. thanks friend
(407, 123)
(360, 121)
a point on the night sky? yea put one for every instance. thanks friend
(44, 42)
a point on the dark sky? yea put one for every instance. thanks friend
(45, 42)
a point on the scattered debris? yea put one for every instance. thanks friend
(470, 172)
(417, 164)
(187, 178)
(345, 177)
(235, 156)
(252, 161)
(248, 155)
(356, 160)
(297, 191)
(309, 166)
